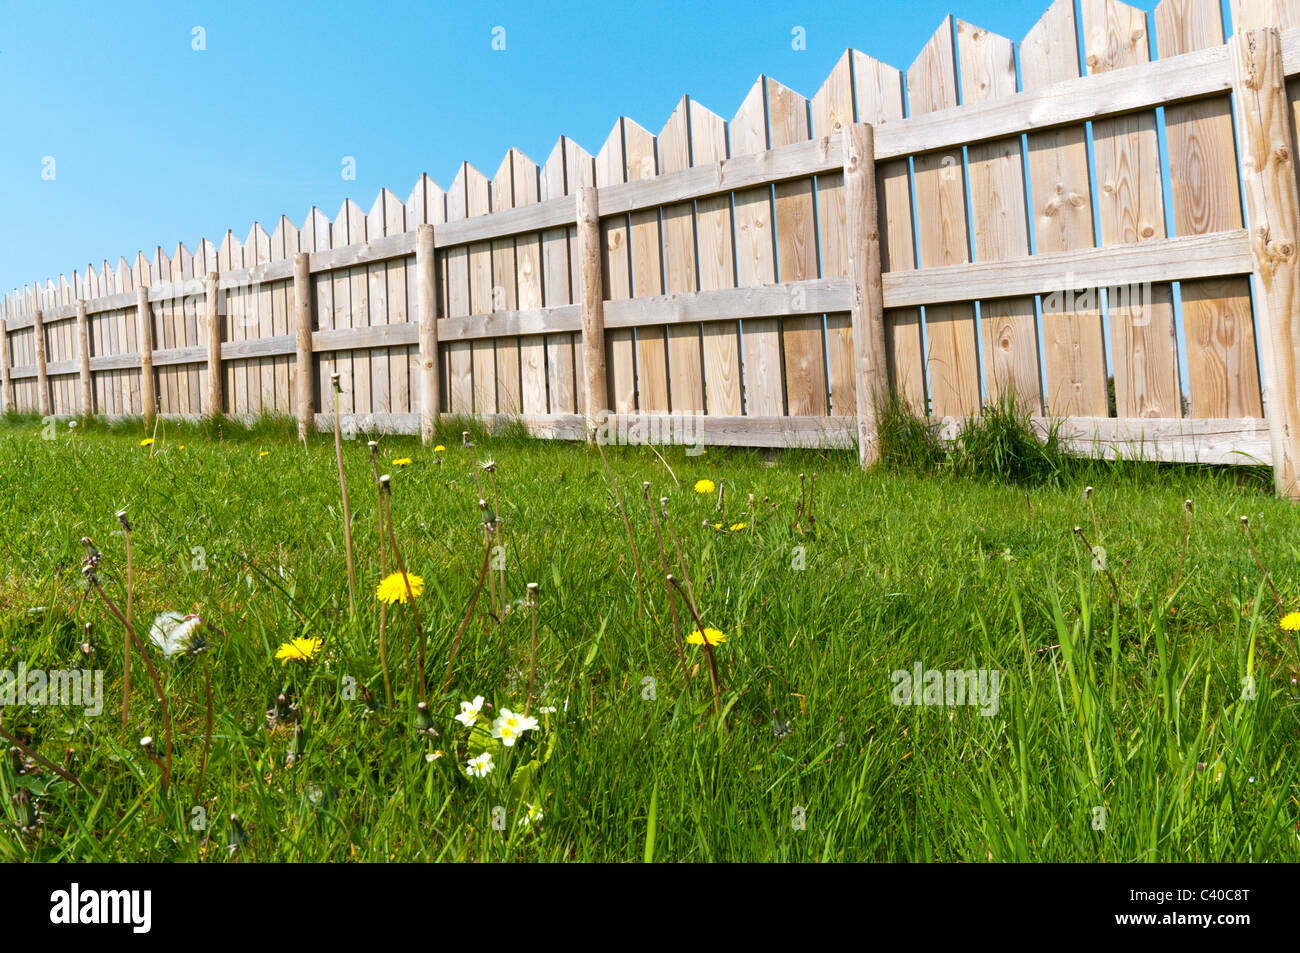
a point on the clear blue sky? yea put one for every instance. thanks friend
(156, 143)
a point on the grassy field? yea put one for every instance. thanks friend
(1159, 725)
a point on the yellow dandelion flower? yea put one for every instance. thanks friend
(713, 635)
(299, 650)
(181, 447)
(737, 527)
(717, 526)
(1290, 621)
(704, 486)
(402, 462)
(265, 453)
(147, 442)
(393, 588)
(439, 449)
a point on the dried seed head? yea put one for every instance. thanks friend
(1087, 493)
(1187, 505)
(374, 446)
(385, 483)
(334, 382)
(121, 518)
(146, 742)
(1245, 521)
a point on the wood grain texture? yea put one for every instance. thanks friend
(761, 372)
(459, 374)
(647, 272)
(1144, 351)
(1073, 343)
(620, 355)
(999, 223)
(1218, 326)
(831, 110)
(685, 347)
(1265, 136)
(590, 244)
(804, 349)
(952, 357)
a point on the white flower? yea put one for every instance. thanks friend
(469, 711)
(510, 725)
(176, 634)
(531, 816)
(547, 709)
(479, 767)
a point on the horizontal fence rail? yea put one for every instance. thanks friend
(954, 232)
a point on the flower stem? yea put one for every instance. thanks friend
(343, 487)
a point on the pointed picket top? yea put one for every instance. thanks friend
(469, 194)
(205, 258)
(427, 203)
(89, 283)
(932, 77)
(708, 135)
(349, 225)
(160, 266)
(787, 115)
(125, 280)
(1184, 26)
(1256, 14)
(140, 271)
(1114, 35)
(503, 185)
(315, 232)
(456, 204)
(639, 151)
(52, 293)
(64, 292)
(284, 240)
(257, 246)
(1049, 53)
(230, 256)
(877, 90)
(478, 192)
(610, 168)
(107, 279)
(674, 139)
(182, 263)
(527, 178)
(986, 64)
(749, 125)
(568, 168)
(387, 216)
(832, 105)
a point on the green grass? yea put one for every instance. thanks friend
(1135, 706)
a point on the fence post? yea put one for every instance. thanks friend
(6, 382)
(430, 386)
(42, 378)
(867, 315)
(213, 322)
(144, 336)
(592, 300)
(302, 316)
(1268, 173)
(83, 356)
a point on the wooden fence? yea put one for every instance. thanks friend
(729, 274)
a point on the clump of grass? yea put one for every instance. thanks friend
(908, 442)
(1003, 445)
